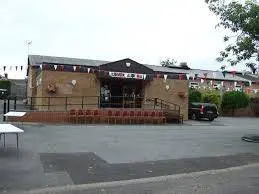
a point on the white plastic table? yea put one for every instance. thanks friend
(15, 114)
(10, 129)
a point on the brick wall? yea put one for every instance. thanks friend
(86, 85)
(43, 117)
(157, 89)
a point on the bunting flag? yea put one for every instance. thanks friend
(144, 76)
(250, 83)
(55, 67)
(21, 68)
(165, 77)
(41, 66)
(4, 68)
(88, 70)
(188, 76)
(180, 76)
(74, 67)
(224, 73)
(16, 67)
(233, 73)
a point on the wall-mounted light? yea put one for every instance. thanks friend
(73, 82)
(128, 64)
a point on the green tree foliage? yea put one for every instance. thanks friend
(243, 20)
(234, 100)
(194, 95)
(168, 62)
(211, 96)
(5, 85)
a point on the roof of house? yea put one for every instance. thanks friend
(38, 59)
(250, 77)
(218, 75)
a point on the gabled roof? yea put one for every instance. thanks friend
(217, 75)
(167, 69)
(39, 59)
(250, 77)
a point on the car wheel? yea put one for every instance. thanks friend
(211, 119)
(194, 116)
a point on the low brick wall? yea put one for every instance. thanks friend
(43, 117)
(241, 112)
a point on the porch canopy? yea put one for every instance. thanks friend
(125, 69)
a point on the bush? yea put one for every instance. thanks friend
(211, 96)
(194, 95)
(234, 100)
(5, 85)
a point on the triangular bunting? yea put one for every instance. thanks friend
(21, 68)
(188, 76)
(74, 67)
(41, 66)
(16, 67)
(4, 68)
(144, 76)
(88, 70)
(55, 67)
(180, 76)
(224, 73)
(233, 73)
(250, 83)
(165, 77)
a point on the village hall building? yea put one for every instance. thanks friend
(58, 83)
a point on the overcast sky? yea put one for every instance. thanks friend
(144, 30)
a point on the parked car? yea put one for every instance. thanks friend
(199, 111)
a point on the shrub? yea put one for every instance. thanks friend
(212, 96)
(235, 99)
(194, 95)
(5, 84)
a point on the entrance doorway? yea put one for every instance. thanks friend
(120, 93)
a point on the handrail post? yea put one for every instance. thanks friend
(14, 105)
(82, 102)
(66, 103)
(8, 104)
(31, 103)
(4, 118)
(48, 103)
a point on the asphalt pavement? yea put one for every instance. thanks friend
(60, 155)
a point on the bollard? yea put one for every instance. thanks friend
(4, 111)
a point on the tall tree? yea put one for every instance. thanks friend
(243, 20)
(168, 62)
